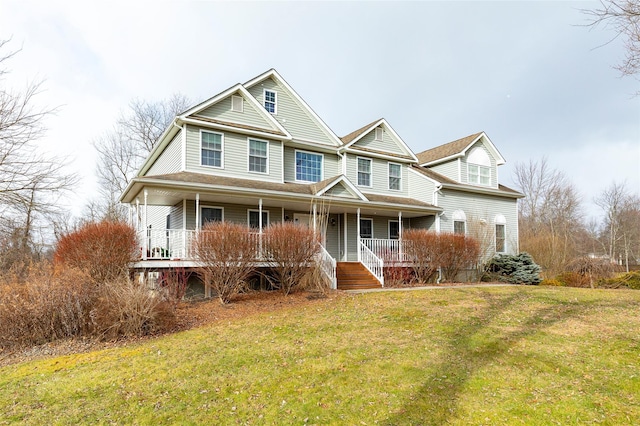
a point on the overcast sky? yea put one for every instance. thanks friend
(527, 73)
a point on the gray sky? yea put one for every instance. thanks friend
(527, 73)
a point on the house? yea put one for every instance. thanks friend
(256, 153)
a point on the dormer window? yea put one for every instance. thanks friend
(270, 101)
(379, 134)
(478, 167)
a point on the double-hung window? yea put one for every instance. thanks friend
(254, 219)
(211, 149)
(479, 174)
(364, 172)
(210, 214)
(366, 228)
(258, 156)
(270, 99)
(395, 176)
(500, 238)
(394, 230)
(308, 166)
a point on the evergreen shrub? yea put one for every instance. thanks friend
(515, 269)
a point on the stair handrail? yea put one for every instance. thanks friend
(373, 263)
(328, 266)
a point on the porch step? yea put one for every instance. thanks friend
(354, 276)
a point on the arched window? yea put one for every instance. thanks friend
(479, 167)
(501, 233)
(459, 222)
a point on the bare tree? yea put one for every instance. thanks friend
(623, 16)
(550, 216)
(122, 150)
(31, 181)
(621, 227)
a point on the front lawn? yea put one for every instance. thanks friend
(508, 355)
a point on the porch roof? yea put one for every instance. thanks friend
(169, 188)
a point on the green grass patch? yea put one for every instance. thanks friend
(511, 355)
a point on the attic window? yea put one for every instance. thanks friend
(479, 167)
(236, 103)
(270, 100)
(379, 134)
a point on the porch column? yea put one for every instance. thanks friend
(130, 215)
(144, 224)
(400, 236)
(197, 211)
(358, 234)
(260, 227)
(137, 214)
(314, 218)
(345, 255)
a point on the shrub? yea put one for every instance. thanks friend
(174, 282)
(292, 248)
(552, 282)
(430, 251)
(515, 269)
(128, 309)
(103, 250)
(629, 280)
(226, 252)
(573, 279)
(398, 276)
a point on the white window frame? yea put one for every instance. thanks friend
(221, 166)
(478, 176)
(234, 102)
(370, 171)
(360, 226)
(295, 165)
(500, 221)
(379, 134)
(459, 216)
(389, 164)
(389, 222)
(275, 101)
(205, 206)
(249, 156)
(264, 224)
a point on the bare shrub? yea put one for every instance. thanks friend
(174, 282)
(421, 246)
(128, 309)
(292, 248)
(590, 269)
(456, 252)
(398, 276)
(48, 305)
(315, 280)
(226, 252)
(103, 250)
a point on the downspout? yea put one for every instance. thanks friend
(343, 162)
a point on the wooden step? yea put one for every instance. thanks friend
(354, 276)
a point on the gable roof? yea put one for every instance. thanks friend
(327, 185)
(452, 184)
(272, 73)
(350, 141)
(456, 149)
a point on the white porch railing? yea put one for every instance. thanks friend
(373, 263)
(390, 251)
(166, 244)
(328, 266)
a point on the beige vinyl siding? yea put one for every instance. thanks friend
(387, 144)
(339, 191)
(379, 176)
(177, 219)
(235, 156)
(157, 216)
(420, 187)
(423, 222)
(249, 116)
(170, 160)
(290, 114)
(330, 164)
(464, 170)
(478, 207)
(448, 169)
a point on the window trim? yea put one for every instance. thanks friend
(375, 135)
(206, 206)
(389, 222)
(370, 219)
(370, 171)
(295, 166)
(479, 174)
(221, 166)
(249, 156)
(459, 216)
(500, 220)
(275, 101)
(389, 164)
(264, 225)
